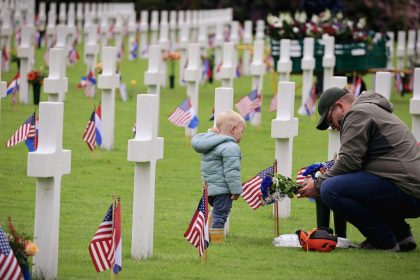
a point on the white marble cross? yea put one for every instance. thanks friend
(228, 69)
(62, 33)
(26, 54)
(6, 35)
(51, 30)
(172, 29)
(71, 26)
(411, 46)
(108, 81)
(131, 39)
(91, 52)
(104, 29)
(56, 84)
(383, 84)
(415, 105)
(247, 40)
(418, 45)
(182, 46)
(192, 78)
(144, 29)
(257, 71)
(48, 164)
(218, 49)
(145, 149)
(390, 47)
(79, 19)
(62, 13)
(202, 34)
(334, 142)
(283, 128)
(284, 65)
(164, 44)
(118, 35)
(308, 66)
(154, 27)
(401, 44)
(260, 29)
(328, 61)
(223, 101)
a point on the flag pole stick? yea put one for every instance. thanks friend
(112, 222)
(276, 209)
(204, 258)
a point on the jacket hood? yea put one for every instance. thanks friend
(204, 142)
(375, 98)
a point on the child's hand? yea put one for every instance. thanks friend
(234, 196)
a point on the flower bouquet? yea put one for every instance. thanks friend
(22, 248)
(36, 79)
(276, 187)
(172, 56)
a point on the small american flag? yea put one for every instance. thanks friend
(273, 104)
(73, 56)
(101, 247)
(398, 83)
(251, 189)
(249, 103)
(300, 178)
(310, 101)
(184, 115)
(25, 131)
(9, 266)
(90, 133)
(198, 232)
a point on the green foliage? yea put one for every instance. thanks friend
(247, 252)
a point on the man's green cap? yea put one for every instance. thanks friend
(328, 98)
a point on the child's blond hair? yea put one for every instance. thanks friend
(229, 118)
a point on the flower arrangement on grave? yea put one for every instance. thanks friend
(275, 187)
(172, 56)
(36, 79)
(296, 27)
(23, 248)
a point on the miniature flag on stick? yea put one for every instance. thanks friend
(252, 188)
(198, 232)
(398, 83)
(184, 115)
(101, 247)
(273, 104)
(249, 103)
(9, 266)
(310, 101)
(13, 86)
(116, 236)
(134, 49)
(92, 134)
(26, 132)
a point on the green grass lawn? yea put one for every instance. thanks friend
(247, 252)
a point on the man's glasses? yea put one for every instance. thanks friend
(329, 121)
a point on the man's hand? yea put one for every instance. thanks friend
(309, 190)
(234, 196)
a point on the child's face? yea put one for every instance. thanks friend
(237, 131)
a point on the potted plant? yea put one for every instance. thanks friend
(36, 79)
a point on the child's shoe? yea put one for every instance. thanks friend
(216, 235)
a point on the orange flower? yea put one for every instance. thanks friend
(31, 248)
(32, 76)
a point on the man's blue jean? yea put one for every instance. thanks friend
(221, 208)
(372, 204)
